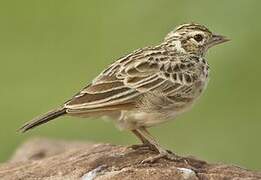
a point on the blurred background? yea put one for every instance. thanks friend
(51, 49)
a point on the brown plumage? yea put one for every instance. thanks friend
(147, 87)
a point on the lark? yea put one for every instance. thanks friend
(147, 87)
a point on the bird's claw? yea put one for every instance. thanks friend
(143, 147)
(166, 155)
(138, 146)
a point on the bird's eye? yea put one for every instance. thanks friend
(198, 37)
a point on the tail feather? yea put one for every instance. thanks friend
(43, 119)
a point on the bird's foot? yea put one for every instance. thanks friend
(165, 154)
(143, 147)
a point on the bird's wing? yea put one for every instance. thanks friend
(121, 84)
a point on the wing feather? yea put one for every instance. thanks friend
(123, 82)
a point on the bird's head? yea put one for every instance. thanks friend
(193, 39)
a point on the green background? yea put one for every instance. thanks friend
(51, 49)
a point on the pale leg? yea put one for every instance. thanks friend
(162, 152)
(145, 143)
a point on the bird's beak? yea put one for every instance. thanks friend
(217, 39)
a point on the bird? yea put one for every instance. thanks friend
(147, 87)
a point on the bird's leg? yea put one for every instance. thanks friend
(162, 152)
(145, 143)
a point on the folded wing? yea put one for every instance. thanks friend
(123, 83)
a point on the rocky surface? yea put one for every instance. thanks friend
(62, 160)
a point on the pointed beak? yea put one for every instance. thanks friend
(217, 39)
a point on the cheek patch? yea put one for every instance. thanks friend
(178, 46)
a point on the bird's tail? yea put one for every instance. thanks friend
(43, 119)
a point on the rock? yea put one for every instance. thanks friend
(62, 160)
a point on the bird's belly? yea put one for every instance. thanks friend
(157, 110)
(169, 111)
(136, 119)
(178, 109)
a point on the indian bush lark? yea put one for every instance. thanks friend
(146, 87)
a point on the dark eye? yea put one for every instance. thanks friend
(198, 37)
